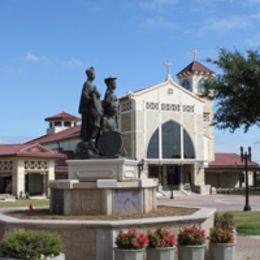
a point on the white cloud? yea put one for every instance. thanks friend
(152, 4)
(221, 25)
(35, 58)
(73, 63)
(159, 22)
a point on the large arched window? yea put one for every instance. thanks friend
(153, 147)
(171, 143)
(189, 152)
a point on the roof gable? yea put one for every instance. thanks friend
(30, 150)
(63, 116)
(194, 67)
(163, 84)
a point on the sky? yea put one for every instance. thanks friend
(45, 47)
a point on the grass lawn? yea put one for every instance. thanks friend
(25, 203)
(248, 222)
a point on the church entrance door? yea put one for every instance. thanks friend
(173, 176)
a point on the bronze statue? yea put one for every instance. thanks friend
(90, 108)
(99, 126)
(110, 107)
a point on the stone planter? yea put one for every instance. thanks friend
(61, 256)
(129, 254)
(234, 232)
(222, 251)
(194, 252)
(160, 253)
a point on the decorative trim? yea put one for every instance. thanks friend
(126, 107)
(152, 105)
(206, 117)
(36, 165)
(6, 165)
(188, 108)
(170, 107)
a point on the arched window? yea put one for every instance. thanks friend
(201, 86)
(171, 145)
(153, 147)
(186, 84)
(189, 152)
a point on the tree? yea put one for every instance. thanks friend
(236, 89)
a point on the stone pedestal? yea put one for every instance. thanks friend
(92, 170)
(103, 187)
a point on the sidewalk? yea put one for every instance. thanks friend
(248, 248)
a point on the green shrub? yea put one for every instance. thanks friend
(27, 195)
(30, 245)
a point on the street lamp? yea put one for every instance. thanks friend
(246, 157)
(140, 167)
(171, 173)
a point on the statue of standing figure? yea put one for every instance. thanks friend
(110, 106)
(90, 108)
(99, 126)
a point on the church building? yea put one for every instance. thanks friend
(167, 127)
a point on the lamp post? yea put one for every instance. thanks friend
(246, 157)
(171, 172)
(140, 167)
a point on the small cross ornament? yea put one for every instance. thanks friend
(195, 54)
(168, 65)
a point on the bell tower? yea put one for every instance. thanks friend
(60, 122)
(193, 76)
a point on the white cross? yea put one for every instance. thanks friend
(195, 53)
(168, 65)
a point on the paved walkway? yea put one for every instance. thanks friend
(220, 202)
(248, 248)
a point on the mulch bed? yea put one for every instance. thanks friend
(44, 214)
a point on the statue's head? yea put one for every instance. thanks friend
(90, 73)
(111, 82)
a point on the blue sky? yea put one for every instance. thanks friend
(46, 46)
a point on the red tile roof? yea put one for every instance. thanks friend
(63, 116)
(72, 132)
(35, 150)
(195, 66)
(229, 160)
(68, 155)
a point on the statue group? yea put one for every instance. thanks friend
(99, 126)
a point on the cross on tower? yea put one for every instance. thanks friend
(168, 65)
(195, 53)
